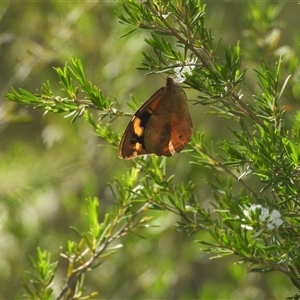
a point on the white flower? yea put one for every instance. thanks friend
(179, 78)
(274, 220)
(247, 212)
(184, 68)
(187, 67)
(264, 214)
(254, 207)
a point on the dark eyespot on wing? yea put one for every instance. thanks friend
(138, 139)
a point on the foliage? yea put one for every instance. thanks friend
(256, 183)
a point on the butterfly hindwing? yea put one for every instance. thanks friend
(161, 126)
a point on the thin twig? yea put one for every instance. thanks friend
(71, 281)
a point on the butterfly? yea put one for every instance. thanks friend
(161, 126)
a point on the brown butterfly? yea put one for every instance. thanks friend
(161, 126)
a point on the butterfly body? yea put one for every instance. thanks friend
(161, 126)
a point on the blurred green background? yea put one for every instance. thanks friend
(49, 166)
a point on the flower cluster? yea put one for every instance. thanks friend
(259, 214)
(184, 68)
